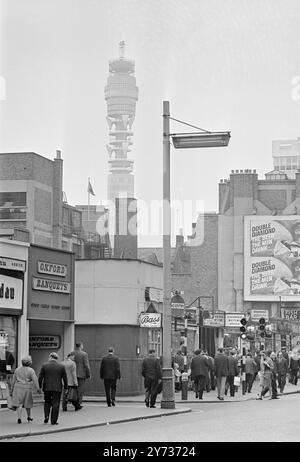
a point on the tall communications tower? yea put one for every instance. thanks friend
(121, 94)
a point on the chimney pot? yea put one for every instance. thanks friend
(58, 154)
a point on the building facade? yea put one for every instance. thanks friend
(31, 202)
(118, 303)
(257, 219)
(50, 303)
(286, 156)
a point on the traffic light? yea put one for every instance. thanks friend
(243, 334)
(262, 327)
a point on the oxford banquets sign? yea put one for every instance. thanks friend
(150, 320)
(51, 285)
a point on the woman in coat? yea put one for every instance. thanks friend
(23, 380)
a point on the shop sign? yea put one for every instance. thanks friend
(11, 292)
(153, 294)
(282, 326)
(12, 264)
(152, 320)
(216, 319)
(233, 319)
(50, 285)
(292, 314)
(44, 342)
(54, 269)
(257, 314)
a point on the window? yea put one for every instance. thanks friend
(8, 345)
(12, 199)
(154, 341)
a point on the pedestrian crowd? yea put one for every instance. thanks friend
(67, 379)
(56, 379)
(224, 372)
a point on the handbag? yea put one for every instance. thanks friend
(237, 381)
(9, 404)
(72, 394)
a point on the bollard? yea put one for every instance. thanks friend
(184, 385)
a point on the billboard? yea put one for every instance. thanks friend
(272, 257)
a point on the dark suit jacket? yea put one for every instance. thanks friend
(110, 367)
(282, 366)
(151, 368)
(52, 376)
(232, 365)
(221, 365)
(199, 366)
(82, 364)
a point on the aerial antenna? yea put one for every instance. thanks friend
(122, 49)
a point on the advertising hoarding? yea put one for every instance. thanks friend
(272, 258)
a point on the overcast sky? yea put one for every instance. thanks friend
(222, 64)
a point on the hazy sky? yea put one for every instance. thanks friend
(222, 64)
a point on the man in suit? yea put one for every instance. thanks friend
(221, 372)
(232, 372)
(82, 369)
(199, 372)
(283, 368)
(151, 371)
(72, 392)
(110, 373)
(52, 378)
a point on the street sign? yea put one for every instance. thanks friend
(216, 319)
(257, 314)
(177, 305)
(292, 314)
(233, 319)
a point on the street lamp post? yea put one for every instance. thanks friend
(181, 141)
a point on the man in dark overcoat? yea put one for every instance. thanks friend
(52, 379)
(221, 372)
(151, 371)
(83, 370)
(110, 372)
(199, 372)
(232, 372)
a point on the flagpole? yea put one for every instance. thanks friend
(88, 199)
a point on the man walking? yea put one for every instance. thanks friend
(199, 372)
(282, 367)
(294, 368)
(151, 371)
(221, 372)
(274, 376)
(72, 393)
(250, 369)
(51, 378)
(82, 369)
(232, 372)
(110, 373)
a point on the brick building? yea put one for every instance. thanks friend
(31, 202)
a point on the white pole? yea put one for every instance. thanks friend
(168, 397)
(88, 198)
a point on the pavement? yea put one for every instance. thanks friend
(95, 412)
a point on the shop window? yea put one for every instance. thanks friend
(154, 341)
(8, 345)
